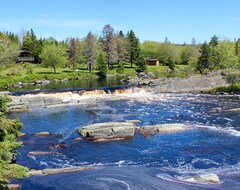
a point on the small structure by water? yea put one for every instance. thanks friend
(152, 62)
(25, 56)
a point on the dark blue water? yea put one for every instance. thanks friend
(140, 163)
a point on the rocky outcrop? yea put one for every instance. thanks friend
(197, 83)
(108, 131)
(151, 130)
(60, 170)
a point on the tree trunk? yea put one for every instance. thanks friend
(54, 69)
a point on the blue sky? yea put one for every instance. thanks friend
(179, 20)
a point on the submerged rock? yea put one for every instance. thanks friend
(66, 170)
(111, 130)
(133, 121)
(35, 172)
(151, 130)
(42, 134)
(40, 153)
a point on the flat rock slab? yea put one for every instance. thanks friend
(42, 134)
(66, 170)
(40, 153)
(111, 130)
(151, 130)
(133, 121)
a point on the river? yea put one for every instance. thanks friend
(158, 162)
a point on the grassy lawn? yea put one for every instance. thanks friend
(32, 72)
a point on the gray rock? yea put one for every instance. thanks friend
(42, 134)
(133, 121)
(40, 153)
(150, 75)
(112, 130)
(14, 186)
(18, 107)
(4, 93)
(49, 100)
(67, 170)
(42, 82)
(64, 80)
(35, 172)
(33, 102)
(151, 130)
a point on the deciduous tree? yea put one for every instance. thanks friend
(73, 52)
(109, 45)
(54, 55)
(90, 51)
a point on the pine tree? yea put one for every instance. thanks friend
(101, 66)
(133, 47)
(203, 61)
(237, 47)
(214, 41)
(120, 68)
(140, 63)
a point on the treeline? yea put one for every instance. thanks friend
(9, 132)
(113, 48)
(116, 49)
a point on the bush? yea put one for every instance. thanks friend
(15, 70)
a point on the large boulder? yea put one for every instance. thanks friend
(151, 130)
(111, 130)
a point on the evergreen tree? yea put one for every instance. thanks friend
(237, 48)
(120, 68)
(214, 41)
(140, 63)
(31, 44)
(203, 60)
(101, 66)
(133, 47)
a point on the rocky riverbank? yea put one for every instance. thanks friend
(196, 84)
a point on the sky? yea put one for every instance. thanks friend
(154, 20)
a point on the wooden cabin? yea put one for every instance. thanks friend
(25, 56)
(152, 62)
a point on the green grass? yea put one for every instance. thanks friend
(31, 72)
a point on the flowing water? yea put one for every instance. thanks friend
(158, 162)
